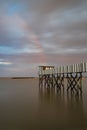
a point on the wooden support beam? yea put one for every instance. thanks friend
(74, 82)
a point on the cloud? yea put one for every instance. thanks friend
(22, 64)
(39, 32)
(5, 63)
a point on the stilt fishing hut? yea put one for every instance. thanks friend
(54, 76)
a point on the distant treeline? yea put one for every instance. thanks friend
(23, 77)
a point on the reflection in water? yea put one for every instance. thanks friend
(50, 95)
(67, 107)
(25, 106)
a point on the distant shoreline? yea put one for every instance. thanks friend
(25, 77)
(18, 77)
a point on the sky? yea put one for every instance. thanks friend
(41, 32)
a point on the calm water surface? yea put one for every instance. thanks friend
(25, 106)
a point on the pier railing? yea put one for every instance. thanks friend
(75, 68)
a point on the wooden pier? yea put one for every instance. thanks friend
(50, 76)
